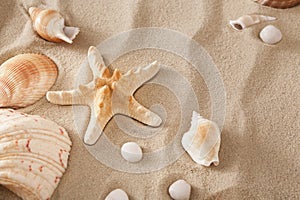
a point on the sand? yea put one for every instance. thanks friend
(259, 155)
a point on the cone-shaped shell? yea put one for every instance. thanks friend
(50, 25)
(25, 78)
(249, 20)
(33, 154)
(202, 141)
(282, 4)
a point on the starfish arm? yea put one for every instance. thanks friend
(133, 79)
(101, 113)
(140, 113)
(96, 63)
(70, 97)
(96, 127)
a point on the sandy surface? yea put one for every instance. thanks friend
(259, 155)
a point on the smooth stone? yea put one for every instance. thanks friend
(270, 34)
(180, 190)
(117, 194)
(131, 152)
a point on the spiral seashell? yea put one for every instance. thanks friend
(282, 4)
(50, 25)
(202, 141)
(25, 78)
(249, 20)
(33, 154)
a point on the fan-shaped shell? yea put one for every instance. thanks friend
(50, 25)
(26, 78)
(202, 141)
(279, 3)
(33, 154)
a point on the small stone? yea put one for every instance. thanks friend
(180, 190)
(117, 194)
(131, 152)
(270, 35)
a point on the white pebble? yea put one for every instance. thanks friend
(270, 34)
(117, 194)
(180, 190)
(131, 152)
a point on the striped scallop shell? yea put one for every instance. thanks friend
(33, 154)
(279, 3)
(50, 25)
(202, 141)
(26, 78)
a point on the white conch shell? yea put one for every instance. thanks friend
(33, 154)
(109, 94)
(202, 141)
(25, 78)
(270, 34)
(180, 190)
(117, 194)
(50, 25)
(249, 20)
(279, 3)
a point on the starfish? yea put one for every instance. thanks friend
(109, 94)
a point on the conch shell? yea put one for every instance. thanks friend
(25, 78)
(50, 25)
(279, 3)
(202, 141)
(33, 154)
(249, 20)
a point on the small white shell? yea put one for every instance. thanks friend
(131, 152)
(270, 35)
(180, 190)
(249, 20)
(117, 194)
(202, 141)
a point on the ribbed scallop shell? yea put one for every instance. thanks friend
(279, 3)
(202, 141)
(33, 154)
(50, 25)
(25, 78)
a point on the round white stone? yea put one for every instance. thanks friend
(117, 194)
(270, 34)
(131, 152)
(180, 190)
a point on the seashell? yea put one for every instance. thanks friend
(180, 190)
(33, 154)
(249, 20)
(50, 25)
(131, 152)
(25, 78)
(282, 4)
(117, 194)
(202, 141)
(270, 35)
